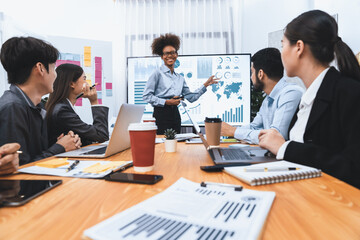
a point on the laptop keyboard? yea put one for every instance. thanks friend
(234, 154)
(96, 151)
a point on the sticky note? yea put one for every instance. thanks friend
(53, 163)
(78, 102)
(87, 56)
(99, 168)
(229, 140)
(96, 168)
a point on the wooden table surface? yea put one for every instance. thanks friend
(318, 208)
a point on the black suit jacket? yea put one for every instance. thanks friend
(63, 119)
(23, 122)
(332, 134)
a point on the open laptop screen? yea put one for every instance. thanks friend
(194, 123)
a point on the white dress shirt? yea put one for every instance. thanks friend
(276, 112)
(306, 103)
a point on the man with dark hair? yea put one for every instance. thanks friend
(30, 65)
(278, 106)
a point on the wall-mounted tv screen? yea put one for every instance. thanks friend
(229, 99)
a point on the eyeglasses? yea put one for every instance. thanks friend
(166, 54)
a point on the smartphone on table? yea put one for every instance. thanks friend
(134, 178)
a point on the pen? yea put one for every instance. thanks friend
(273, 169)
(81, 94)
(220, 167)
(122, 168)
(179, 97)
(236, 187)
(72, 166)
(229, 140)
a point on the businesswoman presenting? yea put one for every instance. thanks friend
(165, 86)
(61, 116)
(325, 131)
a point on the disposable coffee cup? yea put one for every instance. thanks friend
(142, 139)
(149, 119)
(213, 130)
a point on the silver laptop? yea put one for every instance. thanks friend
(119, 140)
(225, 155)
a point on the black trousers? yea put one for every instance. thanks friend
(167, 117)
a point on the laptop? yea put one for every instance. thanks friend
(233, 156)
(119, 140)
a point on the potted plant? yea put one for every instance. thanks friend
(170, 141)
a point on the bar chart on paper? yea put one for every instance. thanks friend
(188, 211)
(154, 227)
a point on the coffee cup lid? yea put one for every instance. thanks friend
(142, 126)
(148, 119)
(212, 120)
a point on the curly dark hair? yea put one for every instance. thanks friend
(165, 40)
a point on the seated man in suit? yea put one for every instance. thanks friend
(9, 158)
(278, 106)
(30, 66)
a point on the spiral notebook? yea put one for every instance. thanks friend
(273, 172)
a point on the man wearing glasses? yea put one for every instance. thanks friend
(165, 88)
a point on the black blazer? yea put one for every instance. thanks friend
(23, 122)
(63, 119)
(332, 134)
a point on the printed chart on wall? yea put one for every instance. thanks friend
(95, 57)
(228, 100)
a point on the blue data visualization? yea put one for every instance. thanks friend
(229, 99)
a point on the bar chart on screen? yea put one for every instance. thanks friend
(186, 211)
(236, 115)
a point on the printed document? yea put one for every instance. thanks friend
(188, 211)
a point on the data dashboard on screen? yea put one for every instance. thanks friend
(229, 99)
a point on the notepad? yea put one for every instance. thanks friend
(269, 177)
(53, 163)
(85, 169)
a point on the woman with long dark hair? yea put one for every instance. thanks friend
(324, 132)
(61, 116)
(165, 87)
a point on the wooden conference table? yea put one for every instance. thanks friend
(318, 208)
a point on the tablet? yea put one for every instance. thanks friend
(19, 192)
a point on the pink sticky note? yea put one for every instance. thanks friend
(108, 85)
(100, 101)
(98, 86)
(75, 62)
(98, 59)
(98, 66)
(98, 74)
(78, 102)
(59, 62)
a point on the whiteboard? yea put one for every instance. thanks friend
(72, 50)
